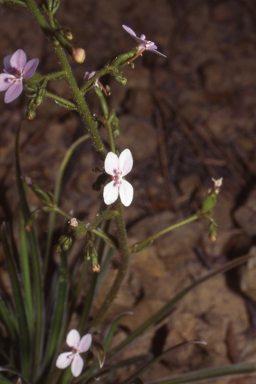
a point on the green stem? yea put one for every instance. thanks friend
(78, 96)
(61, 100)
(149, 240)
(105, 111)
(124, 264)
(57, 196)
(55, 76)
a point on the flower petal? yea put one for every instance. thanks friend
(111, 164)
(7, 64)
(126, 193)
(4, 81)
(73, 338)
(125, 162)
(129, 30)
(155, 51)
(64, 359)
(77, 365)
(18, 60)
(30, 68)
(85, 343)
(110, 193)
(13, 92)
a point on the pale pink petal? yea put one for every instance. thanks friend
(141, 42)
(89, 75)
(126, 193)
(77, 365)
(155, 51)
(30, 68)
(64, 360)
(111, 164)
(4, 81)
(110, 193)
(73, 338)
(7, 64)
(85, 343)
(13, 92)
(125, 162)
(129, 30)
(18, 60)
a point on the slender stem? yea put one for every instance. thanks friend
(55, 76)
(158, 234)
(124, 264)
(105, 111)
(50, 15)
(61, 100)
(81, 104)
(57, 196)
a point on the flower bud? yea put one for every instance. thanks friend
(78, 54)
(31, 114)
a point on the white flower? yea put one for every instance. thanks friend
(117, 168)
(77, 346)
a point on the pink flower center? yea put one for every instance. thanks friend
(117, 178)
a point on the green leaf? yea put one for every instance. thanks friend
(25, 270)
(7, 316)
(58, 185)
(170, 304)
(100, 352)
(211, 373)
(17, 290)
(134, 378)
(15, 372)
(59, 315)
(36, 266)
(3, 380)
(112, 328)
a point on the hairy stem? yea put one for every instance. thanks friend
(123, 268)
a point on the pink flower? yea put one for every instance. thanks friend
(117, 168)
(77, 346)
(143, 44)
(89, 75)
(16, 68)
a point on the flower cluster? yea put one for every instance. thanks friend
(16, 69)
(118, 167)
(77, 346)
(143, 44)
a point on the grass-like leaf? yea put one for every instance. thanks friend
(24, 345)
(36, 267)
(59, 315)
(170, 304)
(209, 373)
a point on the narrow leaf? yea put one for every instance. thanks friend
(100, 352)
(7, 319)
(209, 373)
(36, 267)
(134, 377)
(112, 328)
(24, 340)
(162, 312)
(58, 319)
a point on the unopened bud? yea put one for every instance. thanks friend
(73, 223)
(96, 268)
(68, 35)
(78, 54)
(31, 114)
